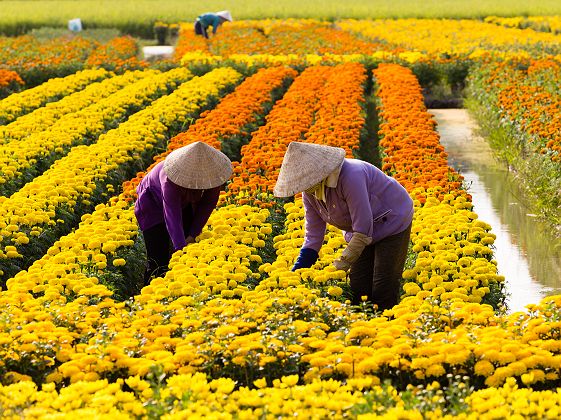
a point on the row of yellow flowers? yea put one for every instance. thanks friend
(88, 173)
(87, 114)
(42, 118)
(538, 23)
(194, 396)
(21, 103)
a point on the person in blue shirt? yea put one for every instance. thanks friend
(206, 20)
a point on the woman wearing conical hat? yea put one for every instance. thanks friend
(206, 20)
(176, 198)
(373, 210)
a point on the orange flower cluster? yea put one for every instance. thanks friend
(234, 116)
(288, 121)
(412, 152)
(340, 118)
(188, 41)
(533, 108)
(9, 82)
(118, 54)
(8, 77)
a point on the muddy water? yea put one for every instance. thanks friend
(527, 253)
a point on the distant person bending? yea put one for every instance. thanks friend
(211, 19)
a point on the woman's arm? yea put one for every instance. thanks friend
(203, 210)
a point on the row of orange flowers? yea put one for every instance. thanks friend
(38, 60)
(288, 121)
(118, 54)
(520, 104)
(411, 149)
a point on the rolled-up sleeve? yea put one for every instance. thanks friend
(355, 193)
(315, 226)
(203, 210)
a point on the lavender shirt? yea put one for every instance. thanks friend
(160, 200)
(365, 200)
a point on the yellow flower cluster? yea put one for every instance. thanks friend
(21, 103)
(454, 37)
(71, 265)
(99, 399)
(194, 396)
(122, 96)
(453, 255)
(198, 58)
(43, 118)
(539, 23)
(218, 263)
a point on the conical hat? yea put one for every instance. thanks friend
(197, 166)
(304, 165)
(225, 14)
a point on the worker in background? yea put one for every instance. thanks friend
(206, 20)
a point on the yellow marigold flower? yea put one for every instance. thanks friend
(260, 383)
(119, 262)
(335, 291)
(290, 380)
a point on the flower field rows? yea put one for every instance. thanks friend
(88, 174)
(19, 104)
(230, 331)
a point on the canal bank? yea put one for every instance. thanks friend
(528, 254)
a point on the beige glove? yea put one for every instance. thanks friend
(353, 250)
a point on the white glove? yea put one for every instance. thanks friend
(353, 250)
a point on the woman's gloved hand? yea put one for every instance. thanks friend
(306, 259)
(353, 250)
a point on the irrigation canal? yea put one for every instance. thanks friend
(527, 253)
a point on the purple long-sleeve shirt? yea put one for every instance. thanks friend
(160, 200)
(365, 200)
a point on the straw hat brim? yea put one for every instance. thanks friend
(304, 165)
(226, 15)
(198, 166)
